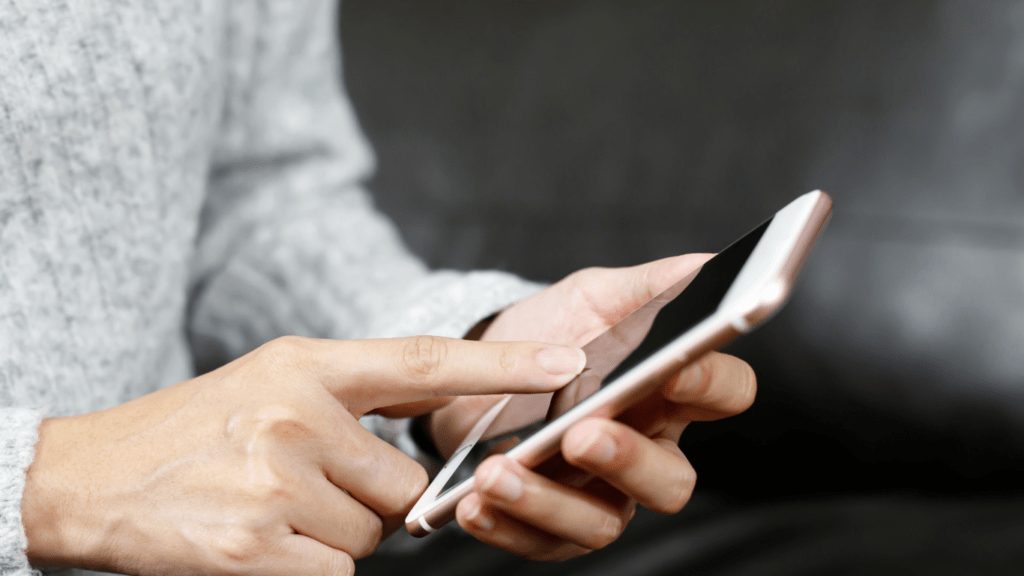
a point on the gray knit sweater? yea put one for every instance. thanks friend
(180, 182)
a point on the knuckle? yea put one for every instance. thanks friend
(278, 422)
(237, 551)
(507, 360)
(580, 282)
(264, 487)
(283, 353)
(282, 346)
(254, 440)
(408, 482)
(643, 286)
(585, 275)
(424, 356)
(417, 483)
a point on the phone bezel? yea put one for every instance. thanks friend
(761, 287)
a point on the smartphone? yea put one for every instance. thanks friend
(728, 296)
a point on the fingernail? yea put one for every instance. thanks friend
(479, 519)
(561, 360)
(597, 448)
(503, 485)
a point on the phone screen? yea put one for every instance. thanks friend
(625, 345)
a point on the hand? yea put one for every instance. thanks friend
(539, 514)
(260, 467)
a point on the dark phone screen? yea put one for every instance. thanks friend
(631, 341)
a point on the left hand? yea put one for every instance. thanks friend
(538, 514)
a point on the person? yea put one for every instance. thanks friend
(181, 192)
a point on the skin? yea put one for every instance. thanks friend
(261, 467)
(527, 513)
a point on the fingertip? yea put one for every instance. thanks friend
(686, 263)
(583, 360)
(562, 362)
(749, 393)
(344, 565)
(716, 386)
(667, 271)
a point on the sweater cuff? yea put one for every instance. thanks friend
(19, 431)
(449, 303)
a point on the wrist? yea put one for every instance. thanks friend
(48, 507)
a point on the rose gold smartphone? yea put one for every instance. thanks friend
(731, 294)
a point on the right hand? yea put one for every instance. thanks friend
(259, 467)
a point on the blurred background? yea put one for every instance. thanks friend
(541, 137)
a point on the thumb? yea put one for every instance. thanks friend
(627, 289)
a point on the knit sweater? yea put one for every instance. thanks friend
(179, 183)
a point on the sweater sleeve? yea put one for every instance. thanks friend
(18, 435)
(289, 241)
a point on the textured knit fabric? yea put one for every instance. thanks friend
(180, 182)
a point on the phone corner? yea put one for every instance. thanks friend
(772, 298)
(417, 527)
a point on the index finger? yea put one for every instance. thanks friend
(369, 374)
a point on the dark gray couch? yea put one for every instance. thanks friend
(542, 137)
